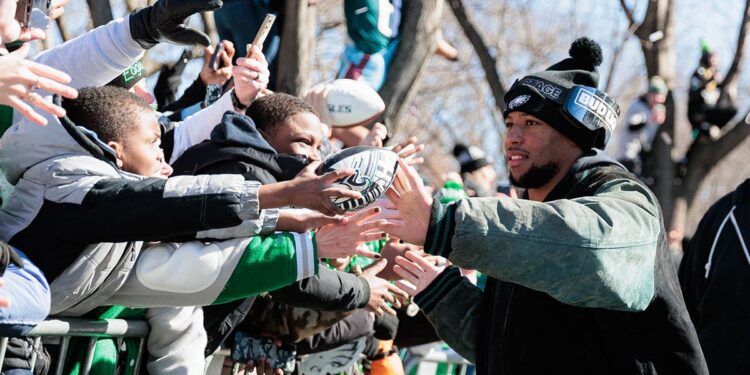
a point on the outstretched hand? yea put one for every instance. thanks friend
(376, 136)
(303, 220)
(408, 151)
(20, 78)
(390, 251)
(412, 200)
(223, 73)
(340, 240)
(418, 270)
(251, 76)
(381, 291)
(11, 30)
(166, 21)
(309, 190)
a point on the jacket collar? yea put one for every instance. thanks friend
(87, 139)
(590, 159)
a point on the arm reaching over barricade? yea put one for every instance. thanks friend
(336, 241)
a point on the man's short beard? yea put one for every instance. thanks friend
(536, 176)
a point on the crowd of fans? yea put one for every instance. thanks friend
(205, 215)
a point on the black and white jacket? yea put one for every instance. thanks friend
(715, 279)
(81, 219)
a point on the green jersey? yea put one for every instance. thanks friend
(372, 24)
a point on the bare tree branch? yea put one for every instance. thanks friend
(63, 30)
(660, 59)
(296, 50)
(703, 156)
(489, 64)
(731, 139)
(629, 14)
(616, 55)
(101, 12)
(732, 76)
(420, 22)
(325, 26)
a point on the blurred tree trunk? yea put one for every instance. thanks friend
(729, 85)
(656, 34)
(296, 50)
(420, 20)
(101, 12)
(489, 64)
(660, 58)
(63, 30)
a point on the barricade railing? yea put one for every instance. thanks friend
(65, 328)
(433, 353)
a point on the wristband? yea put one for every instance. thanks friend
(236, 102)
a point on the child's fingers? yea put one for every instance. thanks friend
(405, 275)
(408, 288)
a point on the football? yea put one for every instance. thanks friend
(374, 171)
(352, 103)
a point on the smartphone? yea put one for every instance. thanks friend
(262, 34)
(33, 13)
(215, 63)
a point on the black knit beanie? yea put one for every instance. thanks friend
(539, 94)
(470, 158)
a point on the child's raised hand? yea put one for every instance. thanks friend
(303, 220)
(251, 76)
(340, 240)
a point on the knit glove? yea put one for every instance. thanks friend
(165, 22)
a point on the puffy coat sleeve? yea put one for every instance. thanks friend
(330, 290)
(96, 57)
(596, 251)
(86, 201)
(452, 304)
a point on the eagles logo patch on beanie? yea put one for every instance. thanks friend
(518, 101)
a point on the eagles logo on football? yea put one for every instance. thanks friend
(374, 170)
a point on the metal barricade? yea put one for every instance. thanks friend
(65, 328)
(433, 354)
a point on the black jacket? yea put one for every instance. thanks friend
(236, 147)
(715, 278)
(525, 331)
(83, 221)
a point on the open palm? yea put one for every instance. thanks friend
(412, 200)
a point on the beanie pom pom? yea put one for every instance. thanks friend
(587, 52)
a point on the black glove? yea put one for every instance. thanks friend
(7, 256)
(165, 22)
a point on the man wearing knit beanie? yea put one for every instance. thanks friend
(477, 172)
(580, 279)
(633, 138)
